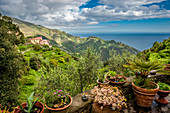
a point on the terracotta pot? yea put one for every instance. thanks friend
(144, 97)
(161, 99)
(100, 84)
(59, 109)
(38, 104)
(117, 83)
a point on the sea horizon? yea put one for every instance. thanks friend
(140, 41)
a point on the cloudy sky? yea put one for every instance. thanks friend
(82, 16)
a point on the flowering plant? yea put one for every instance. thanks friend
(109, 96)
(56, 98)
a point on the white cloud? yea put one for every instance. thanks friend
(67, 12)
(91, 23)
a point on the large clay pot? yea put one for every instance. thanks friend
(38, 104)
(144, 97)
(59, 109)
(161, 99)
(117, 83)
(100, 84)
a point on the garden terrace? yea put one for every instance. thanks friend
(79, 106)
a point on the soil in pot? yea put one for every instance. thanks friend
(117, 80)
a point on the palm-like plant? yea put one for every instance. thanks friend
(144, 67)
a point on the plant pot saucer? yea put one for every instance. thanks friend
(161, 99)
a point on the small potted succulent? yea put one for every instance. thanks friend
(164, 90)
(116, 79)
(108, 97)
(56, 100)
(30, 107)
(101, 80)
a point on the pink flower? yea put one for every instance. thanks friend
(68, 93)
(59, 95)
(54, 93)
(48, 91)
(60, 91)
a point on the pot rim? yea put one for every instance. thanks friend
(101, 82)
(146, 90)
(58, 109)
(164, 91)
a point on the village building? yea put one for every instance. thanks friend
(39, 40)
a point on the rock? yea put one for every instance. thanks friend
(155, 110)
(125, 111)
(168, 106)
(164, 108)
(131, 110)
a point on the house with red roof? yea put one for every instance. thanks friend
(39, 40)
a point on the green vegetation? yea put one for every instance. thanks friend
(143, 67)
(112, 73)
(72, 44)
(30, 104)
(11, 62)
(159, 51)
(41, 68)
(163, 86)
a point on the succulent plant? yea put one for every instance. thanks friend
(30, 104)
(109, 96)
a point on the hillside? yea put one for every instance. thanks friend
(74, 44)
(159, 51)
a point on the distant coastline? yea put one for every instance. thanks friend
(140, 41)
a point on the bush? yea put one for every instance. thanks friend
(10, 64)
(37, 47)
(22, 48)
(54, 62)
(35, 63)
(62, 60)
(28, 80)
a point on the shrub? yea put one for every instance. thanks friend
(37, 47)
(62, 60)
(10, 64)
(54, 62)
(35, 63)
(22, 48)
(28, 80)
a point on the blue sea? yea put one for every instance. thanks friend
(140, 41)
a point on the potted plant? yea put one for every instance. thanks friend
(108, 98)
(56, 100)
(30, 107)
(144, 89)
(101, 80)
(164, 90)
(116, 79)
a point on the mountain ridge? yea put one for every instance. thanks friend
(73, 44)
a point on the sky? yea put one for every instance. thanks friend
(94, 16)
